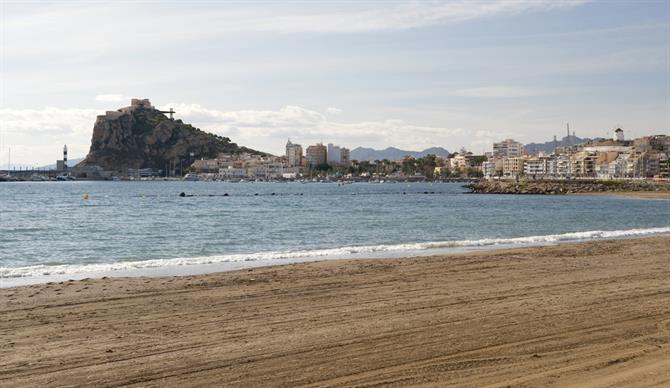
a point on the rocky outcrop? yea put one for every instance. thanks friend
(141, 136)
(562, 186)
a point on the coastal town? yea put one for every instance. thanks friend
(615, 158)
(156, 146)
(142, 142)
(646, 157)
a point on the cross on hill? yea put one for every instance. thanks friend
(170, 112)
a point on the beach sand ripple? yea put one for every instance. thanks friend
(591, 314)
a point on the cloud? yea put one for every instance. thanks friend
(112, 97)
(48, 121)
(332, 110)
(203, 20)
(268, 129)
(287, 116)
(396, 17)
(485, 138)
(36, 136)
(497, 92)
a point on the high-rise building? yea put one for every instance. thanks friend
(334, 154)
(316, 155)
(293, 154)
(508, 148)
(345, 156)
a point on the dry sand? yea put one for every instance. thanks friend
(594, 314)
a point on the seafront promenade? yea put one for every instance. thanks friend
(568, 315)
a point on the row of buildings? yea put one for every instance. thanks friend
(317, 155)
(645, 157)
(289, 166)
(245, 165)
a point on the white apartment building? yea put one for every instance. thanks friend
(266, 170)
(508, 148)
(334, 154)
(606, 170)
(338, 156)
(293, 154)
(232, 172)
(489, 169)
(536, 167)
(513, 167)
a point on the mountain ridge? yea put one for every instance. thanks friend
(548, 147)
(393, 153)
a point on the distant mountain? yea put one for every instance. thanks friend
(548, 147)
(392, 153)
(70, 163)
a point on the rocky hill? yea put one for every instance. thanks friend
(141, 136)
(548, 147)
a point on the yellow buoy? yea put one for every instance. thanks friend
(85, 195)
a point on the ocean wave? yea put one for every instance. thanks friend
(342, 252)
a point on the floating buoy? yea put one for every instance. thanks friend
(85, 195)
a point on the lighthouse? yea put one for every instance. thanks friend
(65, 157)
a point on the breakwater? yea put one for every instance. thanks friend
(558, 187)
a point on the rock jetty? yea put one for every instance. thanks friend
(558, 187)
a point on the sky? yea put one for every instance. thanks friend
(407, 74)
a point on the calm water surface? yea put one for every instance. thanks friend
(50, 225)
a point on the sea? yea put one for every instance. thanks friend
(54, 231)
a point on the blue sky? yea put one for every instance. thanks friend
(404, 74)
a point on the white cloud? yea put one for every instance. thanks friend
(333, 111)
(35, 131)
(48, 121)
(36, 136)
(202, 20)
(268, 129)
(112, 97)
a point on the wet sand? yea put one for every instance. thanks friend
(634, 194)
(593, 314)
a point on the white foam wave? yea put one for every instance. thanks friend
(342, 252)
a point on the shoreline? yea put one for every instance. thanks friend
(593, 313)
(209, 264)
(661, 195)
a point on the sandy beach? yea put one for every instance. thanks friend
(634, 194)
(594, 314)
